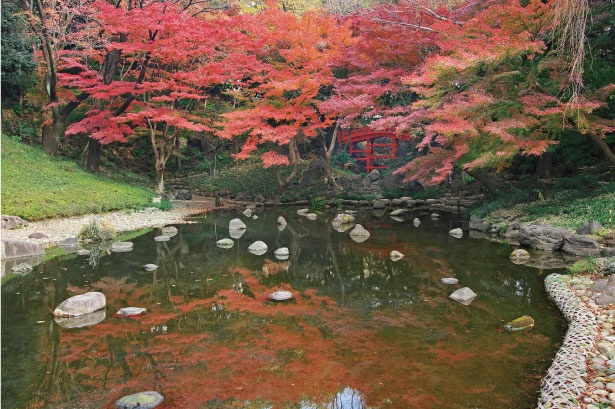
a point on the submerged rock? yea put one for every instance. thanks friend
(225, 243)
(519, 256)
(122, 246)
(396, 255)
(258, 248)
(81, 305)
(520, 324)
(464, 296)
(81, 321)
(140, 400)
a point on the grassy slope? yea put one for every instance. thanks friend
(36, 187)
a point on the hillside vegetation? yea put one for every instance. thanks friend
(36, 186)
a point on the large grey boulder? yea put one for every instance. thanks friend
(236, 224)
(81, 305)
(17, 248)
(590, 228)
(374, 175)
(606, 295)
(581, 245)
(479, 224)
(12, 222)
(183, 194)
(464, 296)
(542, 236)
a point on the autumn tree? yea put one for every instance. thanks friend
(279, 106)
(167, 60)
(486, 91)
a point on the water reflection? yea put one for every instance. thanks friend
(213, 339)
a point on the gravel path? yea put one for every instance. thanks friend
(57, 230)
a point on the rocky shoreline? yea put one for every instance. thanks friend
(582, 374)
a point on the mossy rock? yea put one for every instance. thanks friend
(520, 324)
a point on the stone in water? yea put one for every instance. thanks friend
(225, 243)
(456, 233)
(280, 296)
(282, 253)
(282, 221)
(519, 256)
(130, 312)
(121, 247)
(303, 212)
(236, 224)
(258, 248)
(449, 281)
(464, 296)
(141, 400)
(81, 305)
(169, 231)
(162, 237)
(396, 255)
(311, 216)
(416, 222)
(520, 324)
(247, 213)
(150, 267)
(81, 321)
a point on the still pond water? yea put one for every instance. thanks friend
(361, 332)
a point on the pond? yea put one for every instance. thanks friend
(361, 331)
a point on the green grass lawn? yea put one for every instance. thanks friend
(36, 186)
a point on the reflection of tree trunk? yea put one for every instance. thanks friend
(336, 266)
(116, 354)
(294, 247)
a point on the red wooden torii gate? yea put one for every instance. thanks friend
(368, 135)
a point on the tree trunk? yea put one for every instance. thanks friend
(52, 132)
(159, 179)
(329, 152)
(93, 163)
(545, 166)
(484, 178)
(604, 147)
(293, 156)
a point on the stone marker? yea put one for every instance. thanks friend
(81, 305)
(464, 296)
(140, 400)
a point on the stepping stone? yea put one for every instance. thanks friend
(225, 243)
(449, 281)
(396, 255)
(162, 237)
